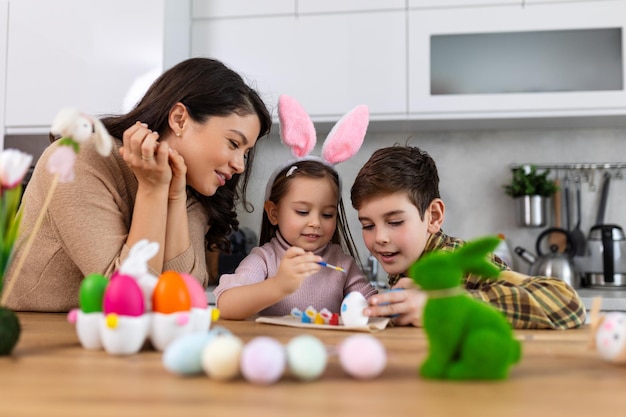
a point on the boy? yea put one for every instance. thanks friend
(396, 194)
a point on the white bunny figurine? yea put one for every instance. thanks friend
(136, 266)
(71, 124)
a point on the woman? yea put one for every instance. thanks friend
(173, 178)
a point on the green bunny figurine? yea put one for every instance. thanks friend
(468, 339)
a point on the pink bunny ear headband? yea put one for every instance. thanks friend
(298, 133)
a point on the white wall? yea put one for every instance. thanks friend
(473, 166)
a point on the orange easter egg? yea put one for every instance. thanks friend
(170, 294)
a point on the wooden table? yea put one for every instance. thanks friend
(50, 374)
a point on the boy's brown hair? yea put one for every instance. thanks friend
(395, 169)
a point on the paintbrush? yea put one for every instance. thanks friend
(336, 268)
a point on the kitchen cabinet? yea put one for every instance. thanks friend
(493, 62)
(84, 54)
(412, 4)
(333, 6)
(330, 62)
(538, 2)
(216, 9)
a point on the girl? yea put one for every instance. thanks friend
(175, 174)
(303, 224)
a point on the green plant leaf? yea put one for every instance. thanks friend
(10, 218)
(531, 183)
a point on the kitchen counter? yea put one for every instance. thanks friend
(50, 374)
(612, 300)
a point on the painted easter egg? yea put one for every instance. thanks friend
(170, 294)
(263, 360)
(183, 356)
(91, 293)
(306, 357)
(352, 308)
(610, 337)
(362, 356)
(221, 356)
(123, 297)
(196, 292)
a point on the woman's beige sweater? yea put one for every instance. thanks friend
(84, 231)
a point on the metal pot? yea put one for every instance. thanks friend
(531, 210)
(553, 263)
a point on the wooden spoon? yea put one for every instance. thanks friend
(558, 239)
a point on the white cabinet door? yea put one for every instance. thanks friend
(535, 2)
(333, 6)
(84, 54)
(204, 9)
(430, 97)
(330, 62)
(461, 3)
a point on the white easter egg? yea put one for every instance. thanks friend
(611, 337)
(220, 358)
(352, 308)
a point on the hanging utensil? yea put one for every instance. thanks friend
(566, 200)
(603, 199)
(558, 239)
(579, 240)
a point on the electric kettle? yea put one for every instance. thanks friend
(606, 257)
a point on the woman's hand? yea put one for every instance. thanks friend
(178, 185)
(295, 267)
(146, 156)
(404, 306)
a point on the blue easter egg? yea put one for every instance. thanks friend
(184, 355)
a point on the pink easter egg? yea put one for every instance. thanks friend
(123, 296)
(263, 360)
(362, 356)
(196, 292)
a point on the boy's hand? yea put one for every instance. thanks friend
(405, 306)
(295, 267)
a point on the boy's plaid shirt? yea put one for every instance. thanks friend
(527, 302)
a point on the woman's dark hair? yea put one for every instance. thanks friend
(207, 88)
(309, 169)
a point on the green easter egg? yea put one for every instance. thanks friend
(91, 293)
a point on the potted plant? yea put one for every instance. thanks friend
(531, 191)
